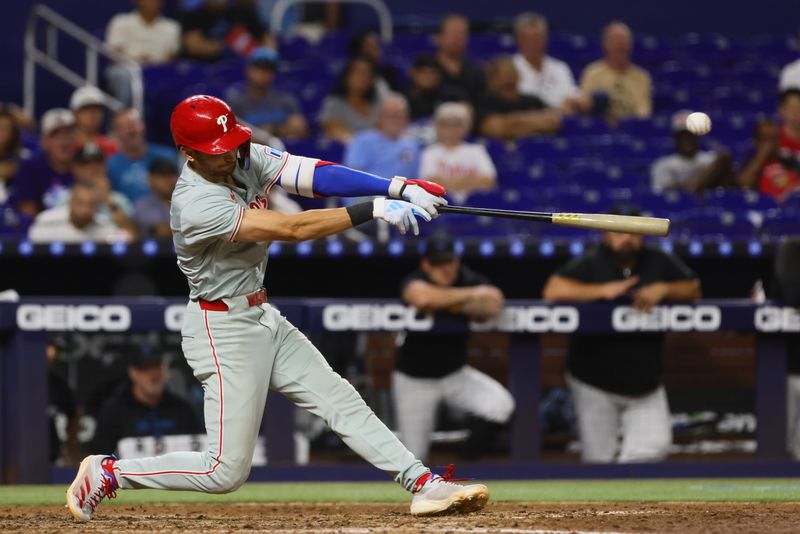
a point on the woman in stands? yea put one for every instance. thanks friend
(11, 149)
(353, 103)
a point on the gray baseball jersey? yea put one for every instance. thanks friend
(206, 216)
(241, 350)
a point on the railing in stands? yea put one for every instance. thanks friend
(380, 7)
(48, 58)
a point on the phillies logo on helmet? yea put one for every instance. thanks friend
(222, 120)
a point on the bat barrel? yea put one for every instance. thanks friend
(630, 224)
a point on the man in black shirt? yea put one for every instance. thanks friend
(462, 80)
(505, 113)
(145, 407)
(432, 369)
(616, 380)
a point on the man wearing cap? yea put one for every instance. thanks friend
(256, 102)
(615, 380)
(152, 212)
(431, 369)
(145, 406)
(40, 179)
(689, 168)
(89, 167)
(128, 168)
(88, 103)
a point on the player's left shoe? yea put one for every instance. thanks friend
(94, 482)
(438, 495)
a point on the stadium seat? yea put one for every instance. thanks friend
(738, 199)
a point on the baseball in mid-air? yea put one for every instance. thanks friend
(698, 123)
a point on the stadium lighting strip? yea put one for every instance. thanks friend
(396, 247)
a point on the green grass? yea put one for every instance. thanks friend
(673, 490)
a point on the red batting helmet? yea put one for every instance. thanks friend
(207, 124)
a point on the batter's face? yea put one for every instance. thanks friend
(215, 168)
(442, 273)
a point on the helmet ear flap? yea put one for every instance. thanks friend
(243, 156)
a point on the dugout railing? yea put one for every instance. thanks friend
(26, 325)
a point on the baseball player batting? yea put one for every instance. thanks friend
(239, 346)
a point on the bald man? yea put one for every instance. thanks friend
(628, 86)
(386, 147)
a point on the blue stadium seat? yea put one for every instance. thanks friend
(712, 223)
(781, 222)
(738, 199)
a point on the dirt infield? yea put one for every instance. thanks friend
(369, 518)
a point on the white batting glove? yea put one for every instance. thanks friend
(401, 214)
(427, 195)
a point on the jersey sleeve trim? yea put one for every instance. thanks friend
(238, 224)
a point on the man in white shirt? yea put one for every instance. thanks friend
(790, 74)
(543, 76)
(460, 167)
(144, 36)
(76, 221)
(689, 168)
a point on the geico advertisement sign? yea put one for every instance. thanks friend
(667, 318)
(366, 317)
(82, 318)
(562, 319)
(340, 317)
(777, 319)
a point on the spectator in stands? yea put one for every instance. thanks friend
(256, 102)
(386, 148)
(628, 86)
(424, 91)
(40, 178)
(152, 212)
(543, 76)
(462, 79)
(353, 104)
(431, 369)
(77, 221)
(88, 103)
(790, 74)
(145, 407)
(504, 113)
(459, 166)
(11, 150)
(144, 36)
(616, 380)
(128, 168)
(218, 28)
(689, 168)
(774, 169)
(89, 166)
(368, 44)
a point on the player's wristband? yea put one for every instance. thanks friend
(360, 213)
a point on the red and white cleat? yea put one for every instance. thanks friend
(438, 495)
(95, 481)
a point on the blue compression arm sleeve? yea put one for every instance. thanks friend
(331, 180)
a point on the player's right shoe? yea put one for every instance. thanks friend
(94, 482)
(438, 495)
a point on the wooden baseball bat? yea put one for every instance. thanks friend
(628, 224)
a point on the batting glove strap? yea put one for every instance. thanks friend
(396, 187)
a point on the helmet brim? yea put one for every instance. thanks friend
(229, 141)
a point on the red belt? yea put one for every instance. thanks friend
(253, 299)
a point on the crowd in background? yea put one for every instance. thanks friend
(431, 127)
